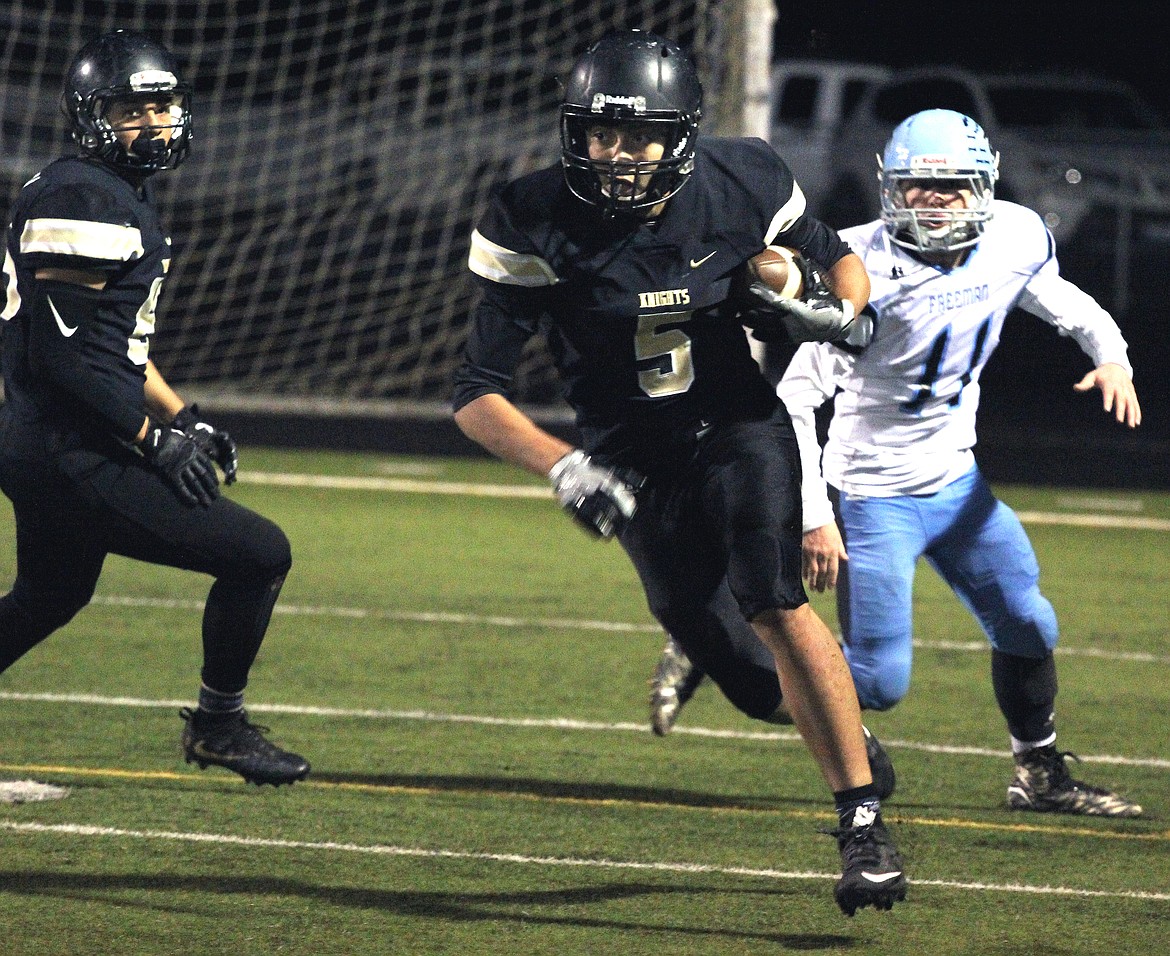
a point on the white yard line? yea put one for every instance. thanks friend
(484, 490)
(558, 624)
(553, 723)
(375, 849)
(411, 485)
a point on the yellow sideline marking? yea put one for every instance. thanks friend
(346, 786)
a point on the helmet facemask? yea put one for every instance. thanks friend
(936, 229)
(149, 151)
(606, 183)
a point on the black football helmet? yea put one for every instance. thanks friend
(630, 76)
(120, 65)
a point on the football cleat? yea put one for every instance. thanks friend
(880, 766)
(1042, 783)
(232, 741)
(871, 867)
(674, 680)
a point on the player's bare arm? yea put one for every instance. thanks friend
(90, 278)
(505, 431)
(162, 401)
(599, 498)
(849, 281)
(1118, 394)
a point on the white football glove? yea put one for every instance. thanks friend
(601, 500)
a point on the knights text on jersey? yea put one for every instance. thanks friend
(637, 316)
(78, 215)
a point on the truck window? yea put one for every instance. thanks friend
(798, 99)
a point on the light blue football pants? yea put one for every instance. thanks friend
(978, 546)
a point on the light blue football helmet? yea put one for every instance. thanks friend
(946, 148)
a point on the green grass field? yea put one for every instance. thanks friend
(467, 674)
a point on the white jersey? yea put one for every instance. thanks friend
(904, 413)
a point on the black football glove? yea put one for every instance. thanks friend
(817, 316)
(600, 498)
(216, 443)
(185, 466)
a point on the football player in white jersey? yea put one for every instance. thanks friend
(947, 263)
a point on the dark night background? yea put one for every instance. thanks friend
(1121, 40)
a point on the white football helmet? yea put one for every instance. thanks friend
(937, 145)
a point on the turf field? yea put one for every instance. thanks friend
(467, 673)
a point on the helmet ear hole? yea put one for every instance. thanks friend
(117, 65)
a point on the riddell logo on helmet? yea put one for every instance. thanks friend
(602, 100)
(933, 161)
(149, 80)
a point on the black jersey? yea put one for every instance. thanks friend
(81, 372)
(638, 315)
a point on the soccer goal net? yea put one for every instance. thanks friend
(342, 152)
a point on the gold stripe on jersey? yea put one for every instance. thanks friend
(788, 214)
(12, 298)
(78, 237)
(493, 261)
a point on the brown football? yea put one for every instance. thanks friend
(777, 269)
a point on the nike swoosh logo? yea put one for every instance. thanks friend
(65, 330)
(881, 877)
(695, 263)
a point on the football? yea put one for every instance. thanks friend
(776, 267)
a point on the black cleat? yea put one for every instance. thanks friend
(674, 681)
(880, 766)
(1042, 783)
(871, 868)
(231, 741)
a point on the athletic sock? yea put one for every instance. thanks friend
(214, 702)
(1019, 746)
(858, 806)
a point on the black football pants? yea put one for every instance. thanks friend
(719, 541)
(75, 509)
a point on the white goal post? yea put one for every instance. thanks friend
(342, 151)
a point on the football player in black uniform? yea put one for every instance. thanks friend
(97, 453)
(625, 254)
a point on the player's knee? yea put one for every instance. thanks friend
(676, 618)
(880, 698)
(879, 687)
(1026, 638)
(760, 699)
(268, 554)
(1027, 627)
